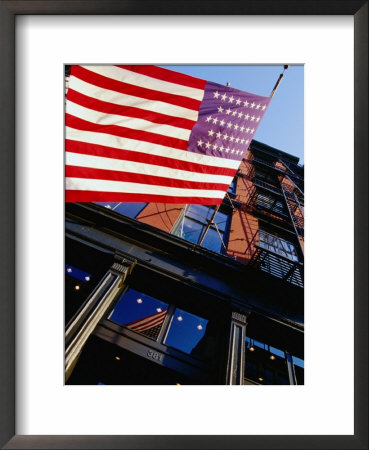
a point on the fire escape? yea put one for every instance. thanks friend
(283, 204)
(294, 198)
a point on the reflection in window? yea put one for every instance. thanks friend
(269, 203)
(186, 333)
(78, 286)
(299, 372)
(182, 330)
(276, 351)
(232, 187)
(126, 209)
(265, 364)
(140, 313)
(267, 376)
(193, 224)
(251, 370)
(297, 361)
(85, 267)
(277, 245)
(282, 378)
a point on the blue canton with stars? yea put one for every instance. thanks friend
(228, 120)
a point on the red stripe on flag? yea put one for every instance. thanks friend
(94, 196)
(157, 317)
(147, 158)
(147, 325)
(168, 75)
(152, 179)
(146, 136)
(130, 89)
(128, 111)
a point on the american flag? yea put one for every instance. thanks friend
(149, 134)
(149, 325)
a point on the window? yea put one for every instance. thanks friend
(84, 269)
(140, 313)
(126, 209)
(267, 177)
(265, 364)
(186, 332)
(164, 323)
(277, 245)
(78, 286)
(267, 202)
(232, 187)
(193, 222)
(299, 372)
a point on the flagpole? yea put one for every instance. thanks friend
(210, 221)
(285, 67)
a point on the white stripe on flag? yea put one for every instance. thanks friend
(126, 76)
(85, 184)
(96, 162)
(145, 147)
(128, 122)
(118, 98)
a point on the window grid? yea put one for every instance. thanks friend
(194, 221)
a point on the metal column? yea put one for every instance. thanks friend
(236, 353)
(81, 328)
(290, 368)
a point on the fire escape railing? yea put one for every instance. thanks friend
(272, 165)
(294, 200)
(267, 199)
(276, 257)
(267, 186)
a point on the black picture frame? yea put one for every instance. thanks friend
(8, 11)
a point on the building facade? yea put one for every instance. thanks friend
(191, 294)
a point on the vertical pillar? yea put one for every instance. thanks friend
(291, 369)
(236, 353)
(95, 309)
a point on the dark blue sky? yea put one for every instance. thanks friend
(283, 124)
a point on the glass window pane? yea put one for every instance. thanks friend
(212, 240)
(277, 351)
(194, 222)
(78, 286)
(187, 333)
(84, 269)
(203, 213)
(282, 378)
(199, 213)
(191, 230)
(232, 186)
(221, 219)
(268, 376)
(277, 245)
(297, 361)
(126, 209)
(299, 371)
(140, 312)
(251, 370)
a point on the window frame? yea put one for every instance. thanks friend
(276, 250)
(105, 205)
(160, 341)
(224, 209)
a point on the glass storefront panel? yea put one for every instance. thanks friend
(187, 333)
(140, 312)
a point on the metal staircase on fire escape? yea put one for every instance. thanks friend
(271, 253)
(294, 198)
